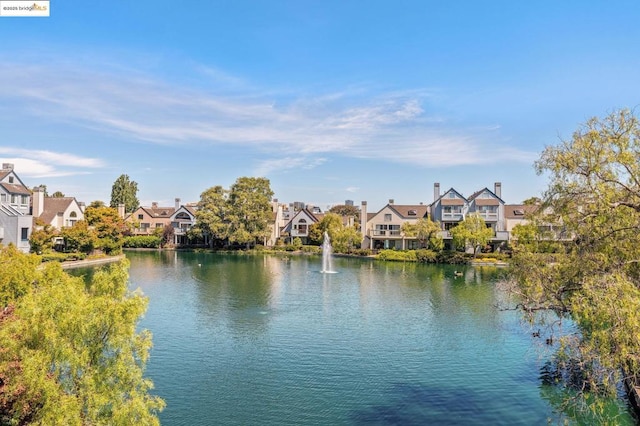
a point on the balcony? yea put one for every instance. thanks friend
(452, 216)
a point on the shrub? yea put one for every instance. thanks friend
(398, 256)
(426, 256)
(312, 249)
(62, 257)
(142, 241)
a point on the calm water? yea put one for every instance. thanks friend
(267, 340)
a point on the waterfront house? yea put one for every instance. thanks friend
(16, 219)
(383, 230)
(59, 212)
(298, 226)
(450, 208)
(145, 220)
(182, 220)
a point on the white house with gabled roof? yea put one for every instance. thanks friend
(16, 220)
(383, 230)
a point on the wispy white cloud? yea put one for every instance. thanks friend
(41, 163)
(390, 126)
(284, 164)
(352, 189)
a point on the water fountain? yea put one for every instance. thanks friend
(327, 264)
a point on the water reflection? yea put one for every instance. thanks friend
(269, 340)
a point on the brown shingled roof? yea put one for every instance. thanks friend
(53, 206)
(452, 202)
(13, 188)
(518, 211)
(410, 211)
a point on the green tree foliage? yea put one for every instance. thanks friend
(57, 194)
(594, 194)
(249, 211)
(41, 240)
(109, 227)
(473, 232)
(427, 232)
(344, 210)
(79, 238)
(70, 353)
(125, 191)
(343, 238)
(211, 214)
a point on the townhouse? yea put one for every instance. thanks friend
(16, 221)
(383, 230)
(147, 220)
(59, 212)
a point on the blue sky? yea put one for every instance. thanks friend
(330, 100)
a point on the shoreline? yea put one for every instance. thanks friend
(91, 262)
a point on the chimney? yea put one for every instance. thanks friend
(497, 189)
(38, 198)
(121, 210)
(436, 191)
(363, 225)
(154, 204)
(7, 166)
(391, 201)
(177, 200)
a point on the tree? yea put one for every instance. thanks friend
(57, 194)
(109, 227)
(79, 238)
(249, 210)
(41, 240)
(344, 210)
(211, 214)
(473, 232)
(70, 352)
(125, 191)
(594, 193)
(426, 231)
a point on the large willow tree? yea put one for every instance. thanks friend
(593, 204)
(70, 353)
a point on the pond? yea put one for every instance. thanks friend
(269, 340)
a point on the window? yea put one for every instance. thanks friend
(452, 195)
(10, 179)
(387, 217)
(73, 214)
(518, 212)
(24, 234)
(159, 225)
(140, 216)
(302, 226)
(3, 198)
(413, 212)
(24, 200)
(14, 199)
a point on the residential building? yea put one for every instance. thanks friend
(182, 220)
(450, 208)
(16, 220)
(145, 220)
(383, 230)
(58, 212)
(298, 226)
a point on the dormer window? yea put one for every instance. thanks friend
(10, 179)
(518, 212)
(413, 212)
